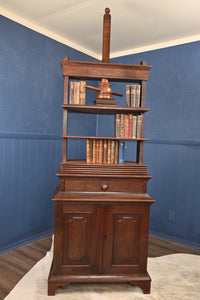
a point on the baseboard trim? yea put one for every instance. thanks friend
(25, 241)
(175, 239)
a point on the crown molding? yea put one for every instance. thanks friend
(156, 46)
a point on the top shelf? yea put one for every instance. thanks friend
(97, 71)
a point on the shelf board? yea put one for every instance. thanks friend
(109, 110)
(103, 138)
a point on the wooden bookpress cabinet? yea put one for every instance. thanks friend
(102, 210)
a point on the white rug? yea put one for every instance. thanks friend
(174, 277)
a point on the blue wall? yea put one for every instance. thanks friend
(173, 153)
(31, 96)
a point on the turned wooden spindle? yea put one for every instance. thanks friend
(106, 36)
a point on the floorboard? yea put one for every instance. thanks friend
(16, 263)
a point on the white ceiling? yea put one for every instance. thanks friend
(136, 25)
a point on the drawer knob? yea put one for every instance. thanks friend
(104, 187)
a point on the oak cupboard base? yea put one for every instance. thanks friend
(55, 281)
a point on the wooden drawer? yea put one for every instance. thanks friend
(109, 184)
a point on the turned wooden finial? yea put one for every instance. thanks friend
(106, 36)
(107, 10)
(143, 63)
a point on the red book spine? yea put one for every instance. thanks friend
(116, 152)
(105, 152)
(130, 125)
(100, 151)
(109, 151)
(88, 155)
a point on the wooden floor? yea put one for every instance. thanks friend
(16, 263)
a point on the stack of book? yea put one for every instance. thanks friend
(77, 92)
(101, 151)
(133, 95)
(129, 126)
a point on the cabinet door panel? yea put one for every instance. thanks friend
(125, 239)
(77, 234)
(80, 239)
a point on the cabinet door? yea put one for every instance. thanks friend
(77, 239)
(126, 239)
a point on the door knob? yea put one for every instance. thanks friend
(104, 187)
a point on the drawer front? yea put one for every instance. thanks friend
(110, 184)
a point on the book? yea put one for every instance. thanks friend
(133, 95)
(121, 152)
(126, 126)
(134, 127)
(71, 96)
(117, 125)
(116, 159)
(100, 152)
(140, 126)
(88, 156)
(109, 151)
(94, 152)
(76, 92)
(112, 152)
(130, 125)
(91, 151)
(82, 92)
(137, 97)
(122, 124)
(128, 95)
(105, 151)
(97, 152)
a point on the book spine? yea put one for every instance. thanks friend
(134, 127)
(130, 125)
(112, 152)
(105, 152)
(100, 151)
(77, 92)
(142, 126)
(126, 126)
(116, 160)
(91, 151)
(97, 152)
(139, 126)
(88, 151)
(94, 151)
(122, 123)
(128, 95)
(133, 95)
(121, 152)
(117, 125)
(109, 151)
(82, 92)
(71, 96)
(137, 98)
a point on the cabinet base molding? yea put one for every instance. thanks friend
(55, 281)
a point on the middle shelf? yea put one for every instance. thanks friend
(107, 110)
(103, 138)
